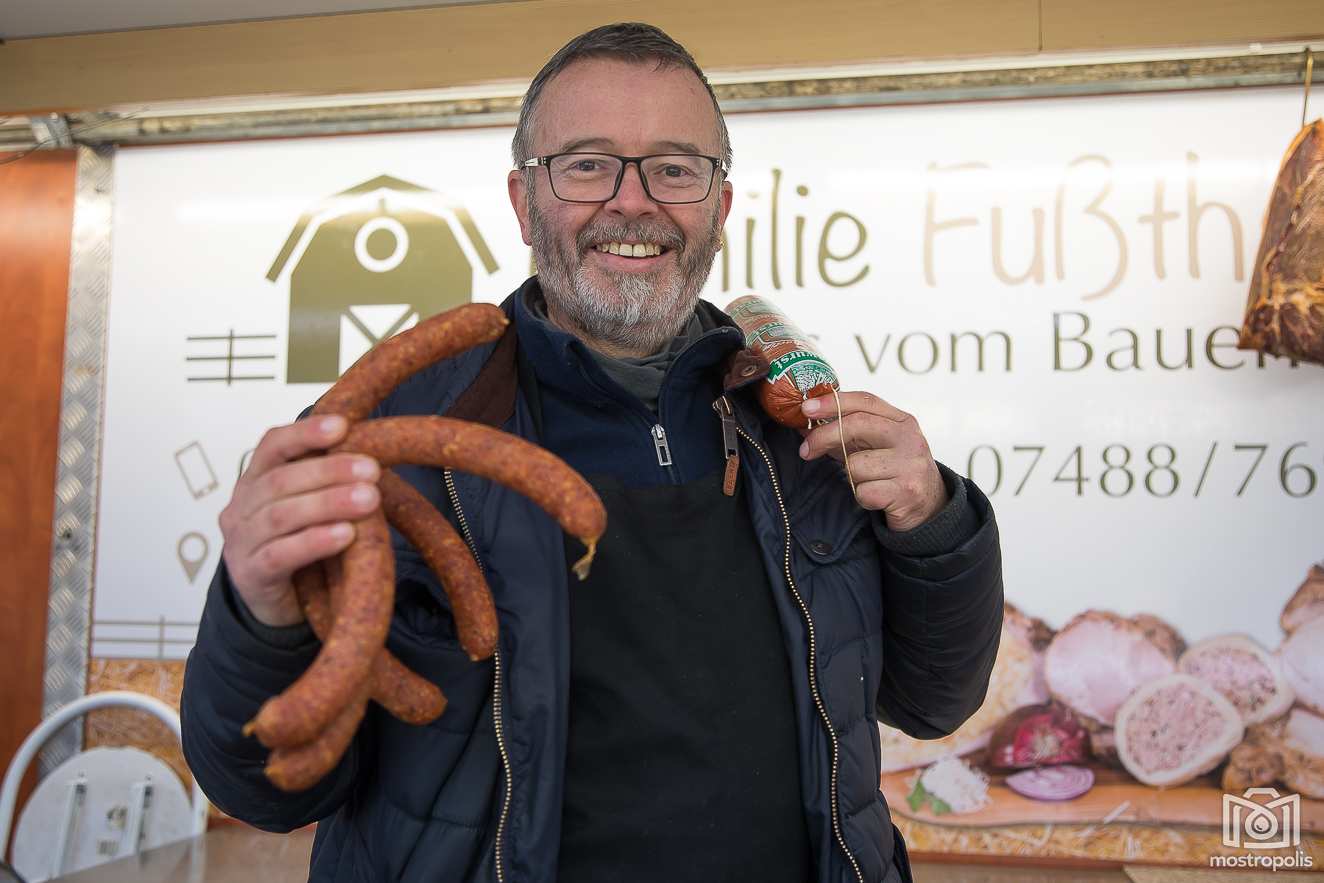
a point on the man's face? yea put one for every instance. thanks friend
(625, 305)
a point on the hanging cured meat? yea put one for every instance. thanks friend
(1285, 311)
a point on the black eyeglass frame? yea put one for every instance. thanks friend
(626, 162)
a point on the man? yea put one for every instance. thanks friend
(704, 706)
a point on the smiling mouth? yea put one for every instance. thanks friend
(631, 249)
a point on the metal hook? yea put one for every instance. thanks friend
(1305, 100)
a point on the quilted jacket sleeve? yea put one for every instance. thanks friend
(942, 614)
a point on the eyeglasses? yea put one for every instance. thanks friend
(669, 178)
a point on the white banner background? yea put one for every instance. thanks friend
(197, 227)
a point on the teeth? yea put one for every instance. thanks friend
(631, 250)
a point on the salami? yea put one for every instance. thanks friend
(411, 698)
(506, 459)
(348, 598)
(369, 380)
(303, 766)
(797, 370)
(449, 558)
(357, 634)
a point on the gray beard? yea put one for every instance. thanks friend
(639, 313)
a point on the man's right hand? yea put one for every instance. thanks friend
(289, 510)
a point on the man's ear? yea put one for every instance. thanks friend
(519, 201)
(725, 197)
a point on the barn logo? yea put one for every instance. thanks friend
(368, 263)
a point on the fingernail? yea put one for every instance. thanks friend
(331, 425)
(366, 469)
(342, 531)
(362, 495)
(810, 407)
(804, 450)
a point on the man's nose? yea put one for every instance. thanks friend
(631, 199)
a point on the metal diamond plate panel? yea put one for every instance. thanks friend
(69, 614)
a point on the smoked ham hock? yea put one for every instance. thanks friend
(1285, 310)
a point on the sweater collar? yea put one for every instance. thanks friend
(565, 362)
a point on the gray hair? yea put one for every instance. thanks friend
(627, 41)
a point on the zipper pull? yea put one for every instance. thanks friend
(660, 443)
(731, 444)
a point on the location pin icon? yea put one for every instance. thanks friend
(192, 551)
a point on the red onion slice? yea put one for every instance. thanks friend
(1038, 735)
(1052, 783)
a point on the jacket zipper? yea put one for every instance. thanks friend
(498, 724)
(730, 445)
(813, 676)
(660, 444)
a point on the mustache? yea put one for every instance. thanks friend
(665, 235)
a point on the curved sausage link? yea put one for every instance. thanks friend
(450, 559)
(410, 697)
(508, 460)
(357, 633)
(386, 365)
(300, 767)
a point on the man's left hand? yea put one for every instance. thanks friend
(889, 458)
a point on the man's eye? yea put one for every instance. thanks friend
(586, 165)
(674, 171)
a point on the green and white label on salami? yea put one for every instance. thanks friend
(771, 333)
(807, 370)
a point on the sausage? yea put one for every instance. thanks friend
(369, 380)
(312, 723)
(300, 767)
(406, 695)
(797, 370)
(357, 633)
(508, 460)
(450, 559)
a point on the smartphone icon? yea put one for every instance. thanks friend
(197, 472)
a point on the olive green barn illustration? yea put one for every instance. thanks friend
(378, 257)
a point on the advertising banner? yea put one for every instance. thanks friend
(1053, 287)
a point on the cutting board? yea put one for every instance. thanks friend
(1115, 797)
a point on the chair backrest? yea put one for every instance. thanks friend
(79, 707)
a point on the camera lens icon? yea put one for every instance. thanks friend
(1261, 824)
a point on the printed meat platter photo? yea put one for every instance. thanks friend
(1113, 718)
(1115, 797)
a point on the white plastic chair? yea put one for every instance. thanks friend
(47, 728)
